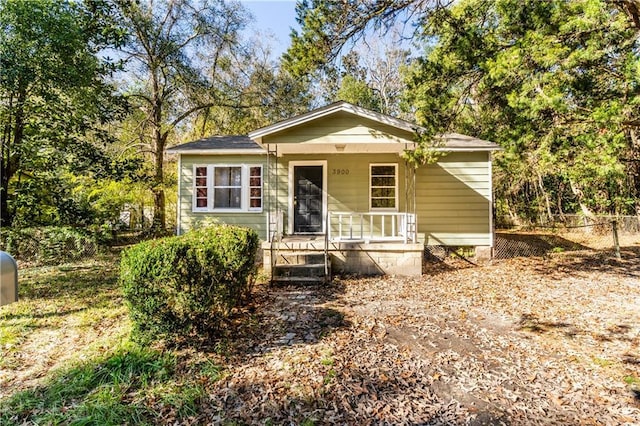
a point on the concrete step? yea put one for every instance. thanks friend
(299, 257)
(306, 270)
(298, 280)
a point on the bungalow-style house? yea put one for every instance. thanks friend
(329, 189)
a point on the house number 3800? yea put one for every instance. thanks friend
(339, 171)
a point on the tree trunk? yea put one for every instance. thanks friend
(158, 225)
(159, 218)
(5, 219)
(588, 214)
(547, 202)
(12, 136)
(559, 195)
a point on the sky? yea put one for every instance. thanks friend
(277, 17)
(274, 17)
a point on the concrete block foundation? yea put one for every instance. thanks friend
(360, 258)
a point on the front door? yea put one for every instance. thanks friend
(307, 199)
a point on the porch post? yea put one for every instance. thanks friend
(272, 204)
(268, 198)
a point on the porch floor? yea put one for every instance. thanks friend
(319, 238)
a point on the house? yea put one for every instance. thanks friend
(332, 183)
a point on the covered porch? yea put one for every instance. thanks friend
(363, 243)
(340, 208)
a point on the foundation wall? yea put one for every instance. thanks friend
(364, 259)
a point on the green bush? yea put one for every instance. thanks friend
(186, 285)
(49, 245)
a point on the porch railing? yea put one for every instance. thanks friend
(275, 225)
(372, 226)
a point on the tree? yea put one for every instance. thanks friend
(52, 95)
(174, 52)
(265, 93)
(553, 83)
(189, 69)
(369, 75)
(327, 25)
(386, 63)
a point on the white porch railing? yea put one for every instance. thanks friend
(275, 225)
(372, 226)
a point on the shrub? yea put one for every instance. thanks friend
(178, 286)
(49, 245)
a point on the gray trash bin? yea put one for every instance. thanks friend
(8, 279)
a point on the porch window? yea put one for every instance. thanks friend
(383, 186)
(222, 188)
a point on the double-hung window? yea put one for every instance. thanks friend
(231, 188)
(383, 186)
(227, 187)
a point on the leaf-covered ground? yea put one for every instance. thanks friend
(552, 340)
(522, 341)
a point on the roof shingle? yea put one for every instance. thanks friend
(217, 142)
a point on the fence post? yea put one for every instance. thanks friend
(616, 242)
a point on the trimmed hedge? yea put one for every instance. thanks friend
(188, 285)
(49, 245)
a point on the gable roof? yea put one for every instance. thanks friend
(219, 144)
(251, 143)
(340, 106)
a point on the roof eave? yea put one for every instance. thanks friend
(218, 151)
(468, 149)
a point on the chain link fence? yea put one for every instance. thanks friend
(565, 234)
(59, 245)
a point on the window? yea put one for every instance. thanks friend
(383, 186)
(255, 188)
(201, 188)
(227, 188)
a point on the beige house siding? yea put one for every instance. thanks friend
(190, 219)
(453, 200)
(340, 127)
(452, 196)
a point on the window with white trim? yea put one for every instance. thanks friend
(227, 187)
(383, 186)
(255, 188)
(201, 187)
(222, 187)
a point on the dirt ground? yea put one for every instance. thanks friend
(552, 340)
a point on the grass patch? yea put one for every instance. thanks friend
(71, 326)
(57, 300)
(602, 362)
(102, 391)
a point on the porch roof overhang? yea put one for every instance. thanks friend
(344, 148)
